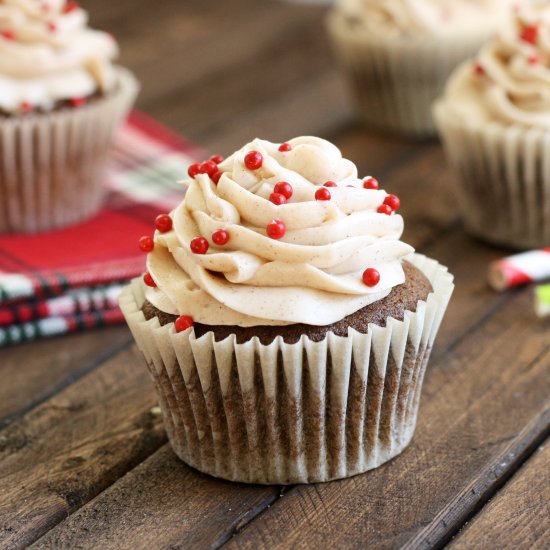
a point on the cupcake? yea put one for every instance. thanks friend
(286, 327)
(61, 99)
(399, 53)
(494, 119)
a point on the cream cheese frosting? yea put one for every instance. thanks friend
(509, 83)
(48, 54)
(431, 17)
(312, 275)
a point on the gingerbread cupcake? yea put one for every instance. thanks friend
(398, 54)
(61, 99)
(285, 325)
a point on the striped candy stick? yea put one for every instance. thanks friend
(520, 269)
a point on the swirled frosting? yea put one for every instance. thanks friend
(48, 54)
(435, 17)
(509, 83)
(312, 275)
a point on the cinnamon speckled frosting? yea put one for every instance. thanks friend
(435, 17)
(509, 83)
(312, 275)
(48, 54)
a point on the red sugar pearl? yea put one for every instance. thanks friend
(220, 237)
(479, 69)
(393, 202)
(284, 189)
(253, 160)
(194, 170)
(530, 34)
(25, 107)
(199, 245)
(285, 147)
(385, 209)
(330, 184)
(148, 280)
(217, 159)
(77, 101)
(371, 183)
(277, 198)
(52, 27)
(208, 167)
(276, 229)
(146, 243)
(371, 277)
(533, 59)
(8, 34)
(322, 194)
(163, 222)
(216, 176)
(70, 6)
(183, 322)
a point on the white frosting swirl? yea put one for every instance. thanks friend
(48, 54)
(509, 83)
(312, 275)
(435, 17)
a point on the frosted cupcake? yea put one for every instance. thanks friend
(495, 123)
(399, 53)
(286, 326)
(61, 98)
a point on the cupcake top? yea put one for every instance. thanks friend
(509, 82)
(431, 17)
(276, 234)
(48, 55)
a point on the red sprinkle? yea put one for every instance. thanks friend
(148, 280)
(285, 147)
(217, 159)
(530, 34)
(183, 322)
(284, 188)
(163, 222)
(330, 184)
(146, 243)
(199, 245)
(70, 6)
(277, 198)
(322, 194)
(479, 69)
(220, 237)
(25, 107)
(371, 277)
(253, 160)
(276, 229)
(77, 101)
(371, 183)
(385, 209)
(393, 202)
(216, 176)
(8, 34)
(208, 167)
(533, 59)
(52, 27)
(194, 170)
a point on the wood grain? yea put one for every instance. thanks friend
(519, 515)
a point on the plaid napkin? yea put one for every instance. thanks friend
(39, 274)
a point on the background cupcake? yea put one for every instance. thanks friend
(495, 122)
(399, 53)
(61, 98)
(286, 326)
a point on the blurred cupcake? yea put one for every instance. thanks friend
(399, 53)
(61, 99)
(495, 123)
(286, 327)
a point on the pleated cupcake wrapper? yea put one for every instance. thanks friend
(291, 413)
(504, 192)
(396, 80)
(51, 164)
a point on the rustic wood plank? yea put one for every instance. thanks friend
(34, 372)
(66, 451)
(161, 504)
(465, 442)
(519, 515)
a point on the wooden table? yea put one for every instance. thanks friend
(84, 461)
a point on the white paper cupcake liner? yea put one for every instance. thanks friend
(504, 191)
(51, 164)
(291, 413)
(396, 81)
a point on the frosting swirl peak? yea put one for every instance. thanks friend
(312, 274)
